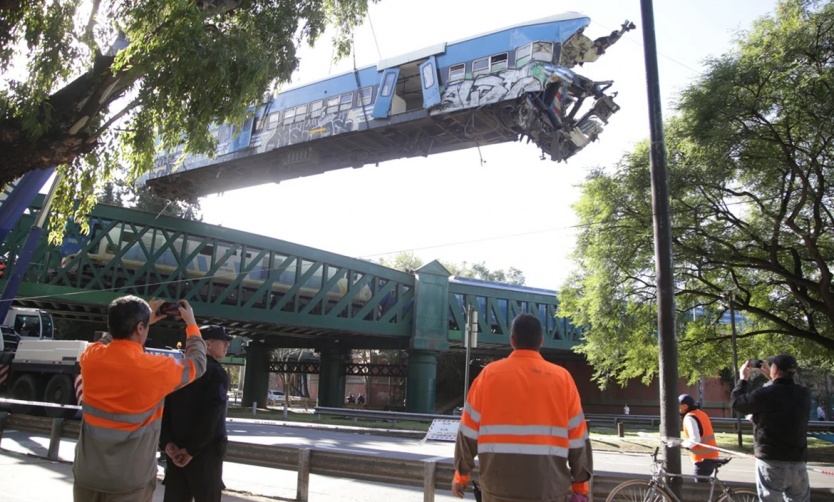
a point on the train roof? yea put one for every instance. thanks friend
(437, 49)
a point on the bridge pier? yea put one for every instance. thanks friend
(332, 376)
(256, 378)
(421, 384)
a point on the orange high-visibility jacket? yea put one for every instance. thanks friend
(124, 393)
(523, 419)
(699, 453)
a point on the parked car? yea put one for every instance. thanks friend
(274, 397)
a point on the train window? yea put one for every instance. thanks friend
(480, 67)
(365, 95)
(346, 101)
(522, 55)
(428, 76)
(316, 108)
(289, 116)
(457, 72)
(207, 250)
(256, 124)
(543, 51)
(274, 120)
(498, 62)
(333, 104)
(300, 113)
(128, 236)
(388, 85)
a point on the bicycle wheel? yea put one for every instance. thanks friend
(739, 495)
(637, 490)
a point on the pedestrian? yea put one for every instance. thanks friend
(122, 405)
(523, 419)
(351, 399)
(820, 413)
(780, 418)
(194, 428)
(697, 432)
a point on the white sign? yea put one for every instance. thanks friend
(443, 430)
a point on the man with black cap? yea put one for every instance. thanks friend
(194, 428)
(780, 416)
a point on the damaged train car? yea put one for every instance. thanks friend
(516, 83)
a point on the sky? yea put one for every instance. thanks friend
(502, 205)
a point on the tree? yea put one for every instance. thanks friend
(160, 70)
(750, 168)
(118, 193)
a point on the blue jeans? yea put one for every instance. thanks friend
(777, 480)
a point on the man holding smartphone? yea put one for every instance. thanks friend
(780, 418)
(122, 404)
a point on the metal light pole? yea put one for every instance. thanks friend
(735, 357)
(668, 348)
(470, 341)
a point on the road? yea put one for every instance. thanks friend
(246, 481)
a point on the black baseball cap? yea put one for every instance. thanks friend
(214, 332)
(784, 362)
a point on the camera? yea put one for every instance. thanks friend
(170, 309)
(754, 363)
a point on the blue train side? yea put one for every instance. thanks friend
(500, 86)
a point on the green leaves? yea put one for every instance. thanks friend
(142, 69)
(750, 169)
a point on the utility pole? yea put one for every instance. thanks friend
(668, 345)
(470, 341)
(735, 357)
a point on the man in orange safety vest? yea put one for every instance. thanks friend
(523, 419)
(697, 432)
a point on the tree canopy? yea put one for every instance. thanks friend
(409, 261)
(93, 86)
(750, 159)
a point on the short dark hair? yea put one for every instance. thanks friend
(125, 313)
(527, 332)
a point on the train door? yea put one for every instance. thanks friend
(386, 93)
(431, 87)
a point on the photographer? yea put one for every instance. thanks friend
(780, 418)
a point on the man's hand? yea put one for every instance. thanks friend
(183, 458)
(458, 490)
(156, 315)
(744, 371)
(187, 313)
(765, 369)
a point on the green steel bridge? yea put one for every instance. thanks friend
(276, 294)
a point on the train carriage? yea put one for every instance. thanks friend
(506, 85)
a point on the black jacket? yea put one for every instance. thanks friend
(195, 416)
(780, 417)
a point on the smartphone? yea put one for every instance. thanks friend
(170, 309)
(754, 363)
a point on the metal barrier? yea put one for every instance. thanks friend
(393, 416)
(431, 475)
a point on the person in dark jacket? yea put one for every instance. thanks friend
(194, 429)
(780, 412)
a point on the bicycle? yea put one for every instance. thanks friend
(657, 488)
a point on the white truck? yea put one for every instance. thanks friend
(35, 367)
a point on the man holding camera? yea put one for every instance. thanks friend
(780, 418)
(122, 405)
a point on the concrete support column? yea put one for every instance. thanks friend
(421, 385)
(256, 377)
(332, 376)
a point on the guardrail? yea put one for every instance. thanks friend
(429, 474)
(393, 416)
